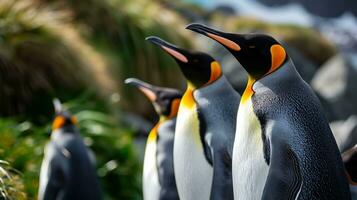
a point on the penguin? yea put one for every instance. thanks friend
(349, 158)
(158, 171)
(67, 170)
(205, 127)
(284, 147)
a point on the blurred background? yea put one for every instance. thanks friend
(81, 51)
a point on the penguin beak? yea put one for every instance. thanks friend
(219, 36)
(144, 87)
(174, 51)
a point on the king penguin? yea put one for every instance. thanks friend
(284, 148)
(67, 171)
(158, 171)
(205, 127)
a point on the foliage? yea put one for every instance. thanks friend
(120, 34)
(11, 186)
(40, 57)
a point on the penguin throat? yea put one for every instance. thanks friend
(248, 92)
(153, 133)
(188, 100)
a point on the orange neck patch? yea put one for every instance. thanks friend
(188, 99)
(248, 92)
(278, 56)
(174, 107)
(216, 72)
(153, 133)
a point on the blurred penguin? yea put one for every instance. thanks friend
(158, 175)
(67, 171)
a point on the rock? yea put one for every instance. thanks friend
(336, 82)
(345, 132)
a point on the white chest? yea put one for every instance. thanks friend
(151, 186)
(249, 168)
(193, 172)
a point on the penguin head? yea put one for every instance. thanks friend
(259, 54)
(165, 100)
(63, 118)
(199, 68)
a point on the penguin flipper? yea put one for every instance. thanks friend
(284, 179)
(222, 185)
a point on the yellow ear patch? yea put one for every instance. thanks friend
(278, 56)
(174, 107)
(224, 41)
(176, 54)
(58, 122)
(216, 72)
(188, 99)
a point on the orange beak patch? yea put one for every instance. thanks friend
(150, 94)
(226, 42)
(176, 54)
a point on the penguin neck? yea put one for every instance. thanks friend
(215, 89)
(154, 131)
(278, 79)
(61, 132)
(188, 101)
(286, 72)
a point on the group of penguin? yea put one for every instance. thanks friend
(272, 142)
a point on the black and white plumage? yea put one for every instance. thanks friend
(158, 170)
(205, 127)
(67, 171)
(284, 148)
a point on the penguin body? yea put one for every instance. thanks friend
(284, 148)
(67, 171)
(158, 170)
(294, 146)
(217, 106)
(205, 127)
(193, 169)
